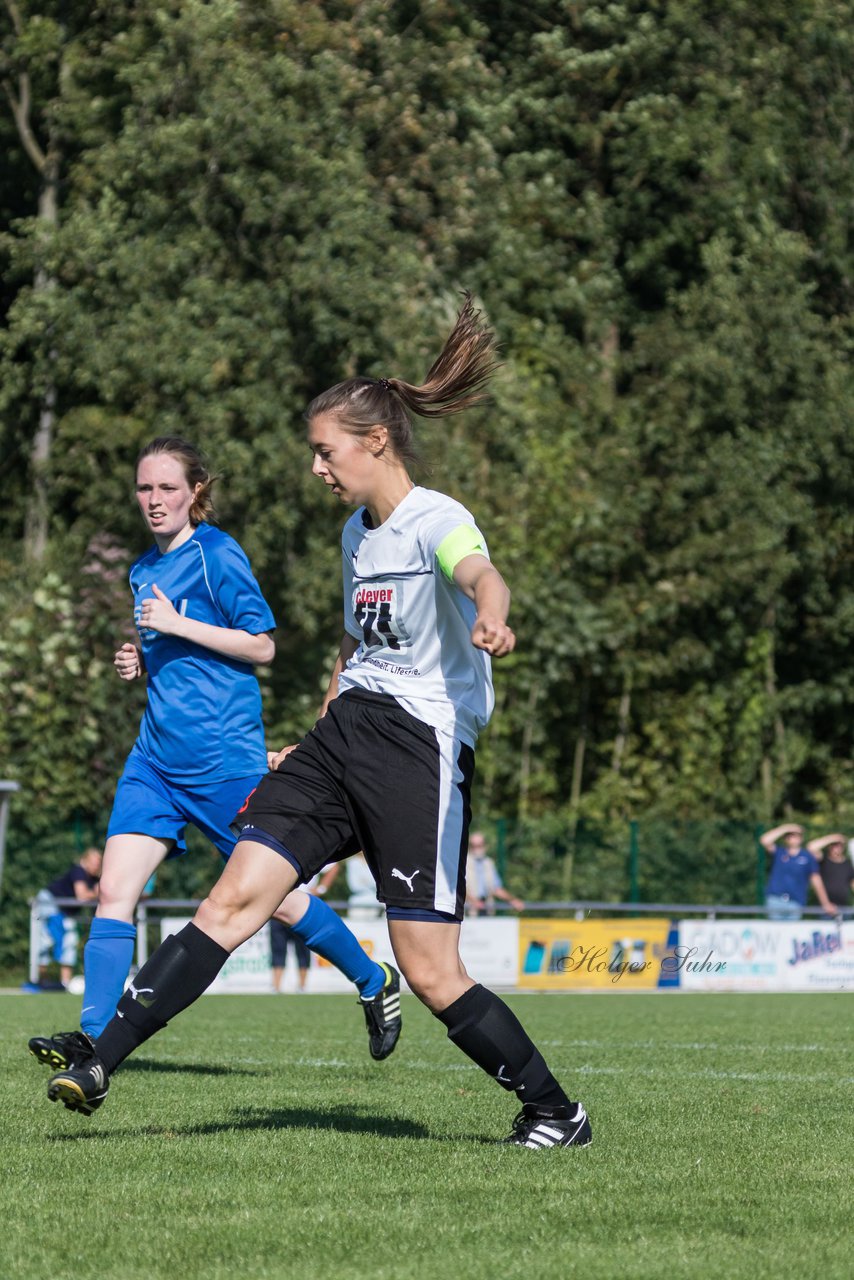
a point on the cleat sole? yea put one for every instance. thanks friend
(72, 1097)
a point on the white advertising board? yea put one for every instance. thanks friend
(489, 948)
(766, 955)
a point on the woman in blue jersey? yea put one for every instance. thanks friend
(388, 766)
(203, 626)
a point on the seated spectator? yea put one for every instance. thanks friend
(793, 870)
(836, 871)
(59, 937)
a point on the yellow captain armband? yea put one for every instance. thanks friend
(455, 546)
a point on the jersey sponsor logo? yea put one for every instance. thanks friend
(374, 611)
(146, 633)
(398, 875)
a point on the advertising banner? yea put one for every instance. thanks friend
(608, 955)
(766, 955)
(489, 950)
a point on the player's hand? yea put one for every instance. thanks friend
(493, 635)
(127, 662)
(275, 758)
(159, 614)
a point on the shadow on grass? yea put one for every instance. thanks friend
(246, 1119)
(186, 1068)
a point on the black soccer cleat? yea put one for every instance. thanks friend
(65, 1049)
(80, 1089)
(538, 1127)
(382, 1015)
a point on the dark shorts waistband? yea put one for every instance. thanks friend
(262, 837)
(421, 913)
(372, 698)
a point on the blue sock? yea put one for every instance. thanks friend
(326, 933)
(107, 959)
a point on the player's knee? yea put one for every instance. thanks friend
(217, 913)
(435, 987)
(291, 910)
(113, 901)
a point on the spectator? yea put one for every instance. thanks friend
(362, 903)
(280, 935)
(483, 881)
(836, 871)
(59, 937)
(793, 870)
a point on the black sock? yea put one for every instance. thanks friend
(492, 1036)
(181, 968)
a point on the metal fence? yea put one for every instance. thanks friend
(149, 912)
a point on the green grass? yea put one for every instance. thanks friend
(254, 1138)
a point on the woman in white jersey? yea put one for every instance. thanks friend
(388, 766)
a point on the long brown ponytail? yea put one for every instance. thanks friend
(456, 380)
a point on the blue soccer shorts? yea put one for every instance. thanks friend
(148, 803)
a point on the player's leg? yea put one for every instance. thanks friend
(420, 814)
(147, 823)
(320, 839)
(129, 860)
(487, 1031)
(254, 881)
(323, 931)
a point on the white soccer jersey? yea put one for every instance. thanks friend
(413, 623)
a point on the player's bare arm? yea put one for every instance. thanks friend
(478, 578)
(159, 614)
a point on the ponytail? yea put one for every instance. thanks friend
(456, 380)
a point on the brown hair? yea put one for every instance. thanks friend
(454, 381)
(196, 471)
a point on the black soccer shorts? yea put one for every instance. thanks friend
(371, 776)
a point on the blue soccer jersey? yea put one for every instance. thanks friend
(202, 722)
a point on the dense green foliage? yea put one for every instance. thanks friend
(651, 201)
(262, 1142)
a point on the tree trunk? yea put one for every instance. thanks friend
(46, 162)
(623, 713)
(38, 509)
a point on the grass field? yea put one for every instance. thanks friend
(255, 1137)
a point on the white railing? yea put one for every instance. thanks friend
(577, 909)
